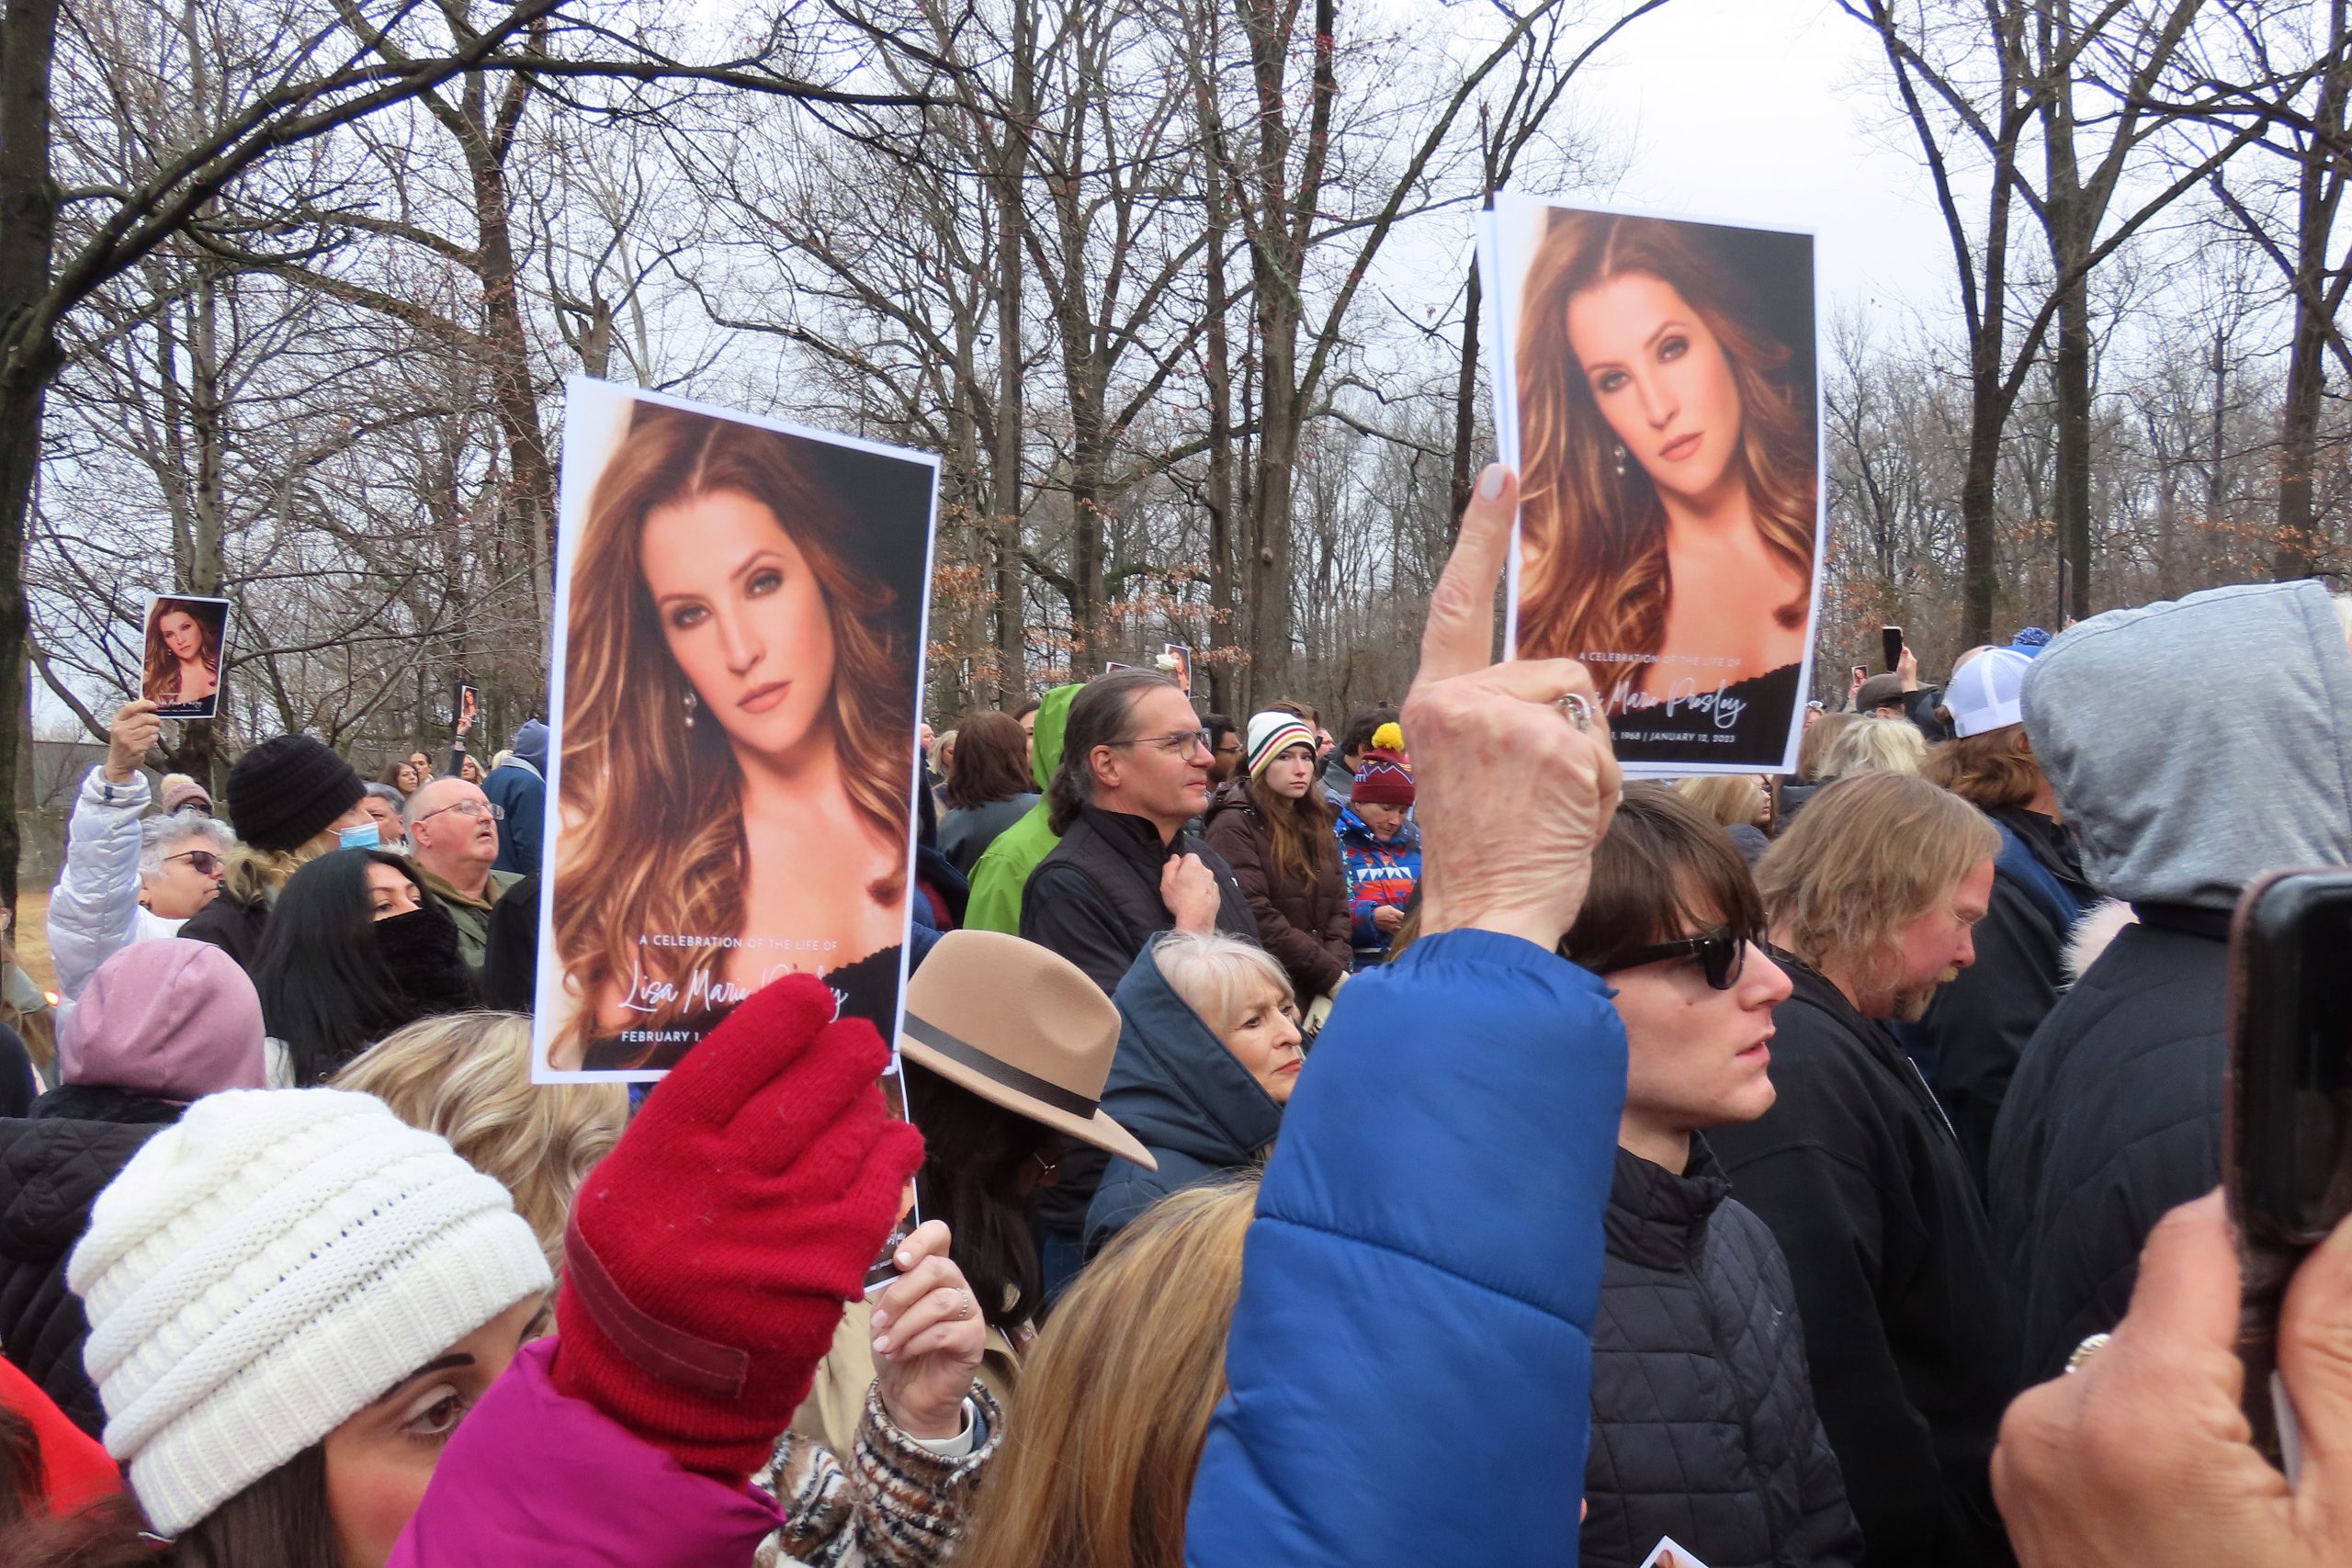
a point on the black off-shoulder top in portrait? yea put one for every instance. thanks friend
(868, 989)
(1704, 731)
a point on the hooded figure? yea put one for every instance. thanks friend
(1182, 1094)
(161, 1023)
(1002, 870)
(2194, 745)
(518, 787)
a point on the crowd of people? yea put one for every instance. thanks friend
(1412, 1144)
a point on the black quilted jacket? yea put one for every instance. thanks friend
(52, 1166)
(2114, 1116)
(1703, 1420)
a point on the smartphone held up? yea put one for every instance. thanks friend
(2287, 1128)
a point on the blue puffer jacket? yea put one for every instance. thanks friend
(1179, 1090)
(1410, 1359)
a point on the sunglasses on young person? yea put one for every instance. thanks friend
(204, 862)
(1721, 956)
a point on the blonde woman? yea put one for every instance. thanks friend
(1740, 804)
(1209, 1052)
(738, 741)
(1876, 745)
(1668, 498)
(467, 1076)
(1091, 1482)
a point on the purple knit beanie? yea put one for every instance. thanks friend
(170, 1019)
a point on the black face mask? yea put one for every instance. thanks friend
(428, 967)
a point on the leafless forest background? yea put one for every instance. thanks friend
(1180, 288)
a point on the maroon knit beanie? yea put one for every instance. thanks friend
(1383, 779)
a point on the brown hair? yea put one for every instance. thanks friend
(1727, 799)
(1988, 771)
(1090, 1480)
(657, 842)
(162, 680)
(1594, 577)
(1299, 831)
(279, 1521)
(1818, 738)
(1868, 856)
(1664, 870)
(991, 761)
(467, 1076)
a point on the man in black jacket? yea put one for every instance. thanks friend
(1872, 894)
(1134, 772)
(2114, 1114)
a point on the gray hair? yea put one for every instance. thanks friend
(163, 836)
(386, 793)
(1216, 976)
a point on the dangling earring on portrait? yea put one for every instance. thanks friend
(689, 709)
(1618, 448)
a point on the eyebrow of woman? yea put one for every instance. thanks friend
(450, 1362)
(1671, 324)
(752, 563)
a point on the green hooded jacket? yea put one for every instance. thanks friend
(1004, 867)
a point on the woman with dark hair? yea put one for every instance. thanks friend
(1698, 1330)
(738, 743)
(989, 787)
(1005, 1047)
(403, 774)
(358, 947)
(1275, 827)
(183, 654)
(1667, 481)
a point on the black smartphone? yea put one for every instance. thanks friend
(1890, 646)
(2287, 1130)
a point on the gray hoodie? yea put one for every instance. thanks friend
(2197, 743)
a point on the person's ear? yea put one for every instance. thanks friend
(1105, 762)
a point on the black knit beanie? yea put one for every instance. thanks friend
(285, 792)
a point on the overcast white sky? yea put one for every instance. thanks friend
(1775, 111)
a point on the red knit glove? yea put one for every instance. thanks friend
(709, 1256)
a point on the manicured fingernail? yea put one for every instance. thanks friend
(1490, 483)
(882, 1345)
(906, 1261)
(881, 1320)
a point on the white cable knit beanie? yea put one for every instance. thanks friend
(267, 1267)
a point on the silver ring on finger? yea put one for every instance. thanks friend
(963, 1305)
(1578, 707)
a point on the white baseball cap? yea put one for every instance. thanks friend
(1983, 695)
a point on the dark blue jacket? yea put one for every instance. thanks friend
(1179, 1090)
(523, 796)
(1410, 1359)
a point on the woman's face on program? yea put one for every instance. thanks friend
(743, 616)
(1660, 379)
(180, 634)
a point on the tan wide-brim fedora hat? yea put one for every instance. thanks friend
(1021, 1027)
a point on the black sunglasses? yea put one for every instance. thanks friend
(1721, 955)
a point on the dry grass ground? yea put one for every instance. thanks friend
(32, 937)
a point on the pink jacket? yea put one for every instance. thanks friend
(532, 1476)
